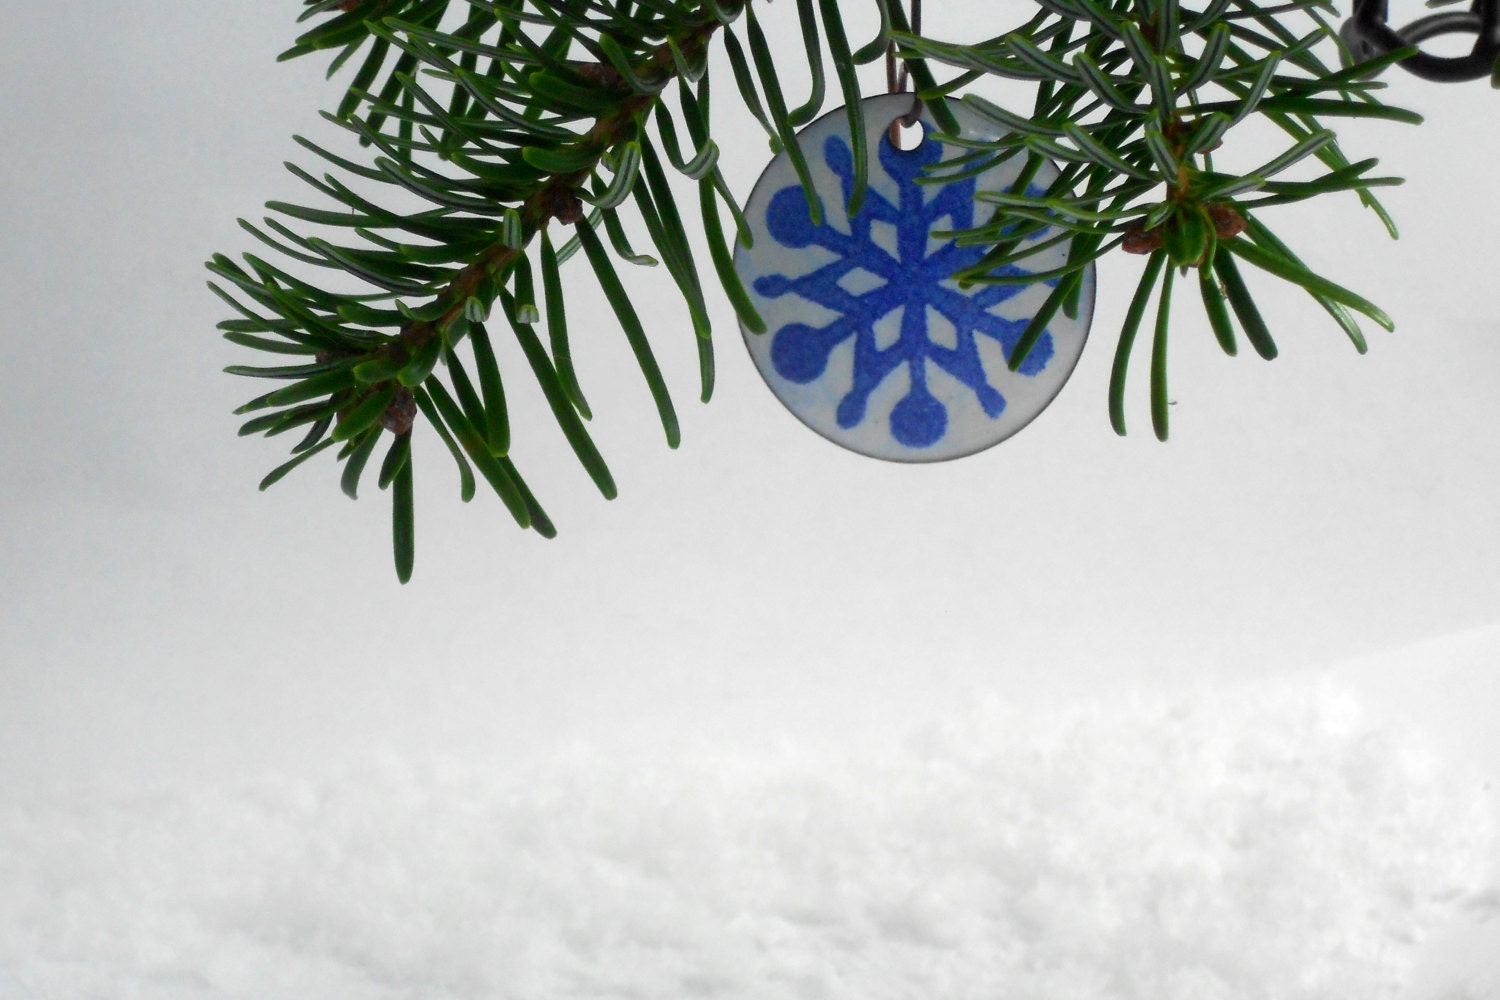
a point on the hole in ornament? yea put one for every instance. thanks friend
(906, 137)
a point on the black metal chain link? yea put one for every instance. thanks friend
(1368, 34)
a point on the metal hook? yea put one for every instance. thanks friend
(1368, 35)
(898, 79)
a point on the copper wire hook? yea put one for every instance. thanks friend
(897, 79)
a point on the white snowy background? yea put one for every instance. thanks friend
(1078, 717)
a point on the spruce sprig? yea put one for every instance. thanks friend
(512, 120)
(1134, 101)
(531, 129)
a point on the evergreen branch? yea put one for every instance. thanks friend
(1146, 171)
(530, 129)
(515, 120)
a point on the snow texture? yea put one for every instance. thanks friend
(1277, 846)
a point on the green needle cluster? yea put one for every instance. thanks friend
(1134, 101)
(530, 130)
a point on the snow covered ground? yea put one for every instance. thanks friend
(1283, 839)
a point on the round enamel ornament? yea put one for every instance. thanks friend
(868, 339)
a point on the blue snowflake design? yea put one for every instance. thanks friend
(913, 281)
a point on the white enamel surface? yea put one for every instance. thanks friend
(970, 429)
